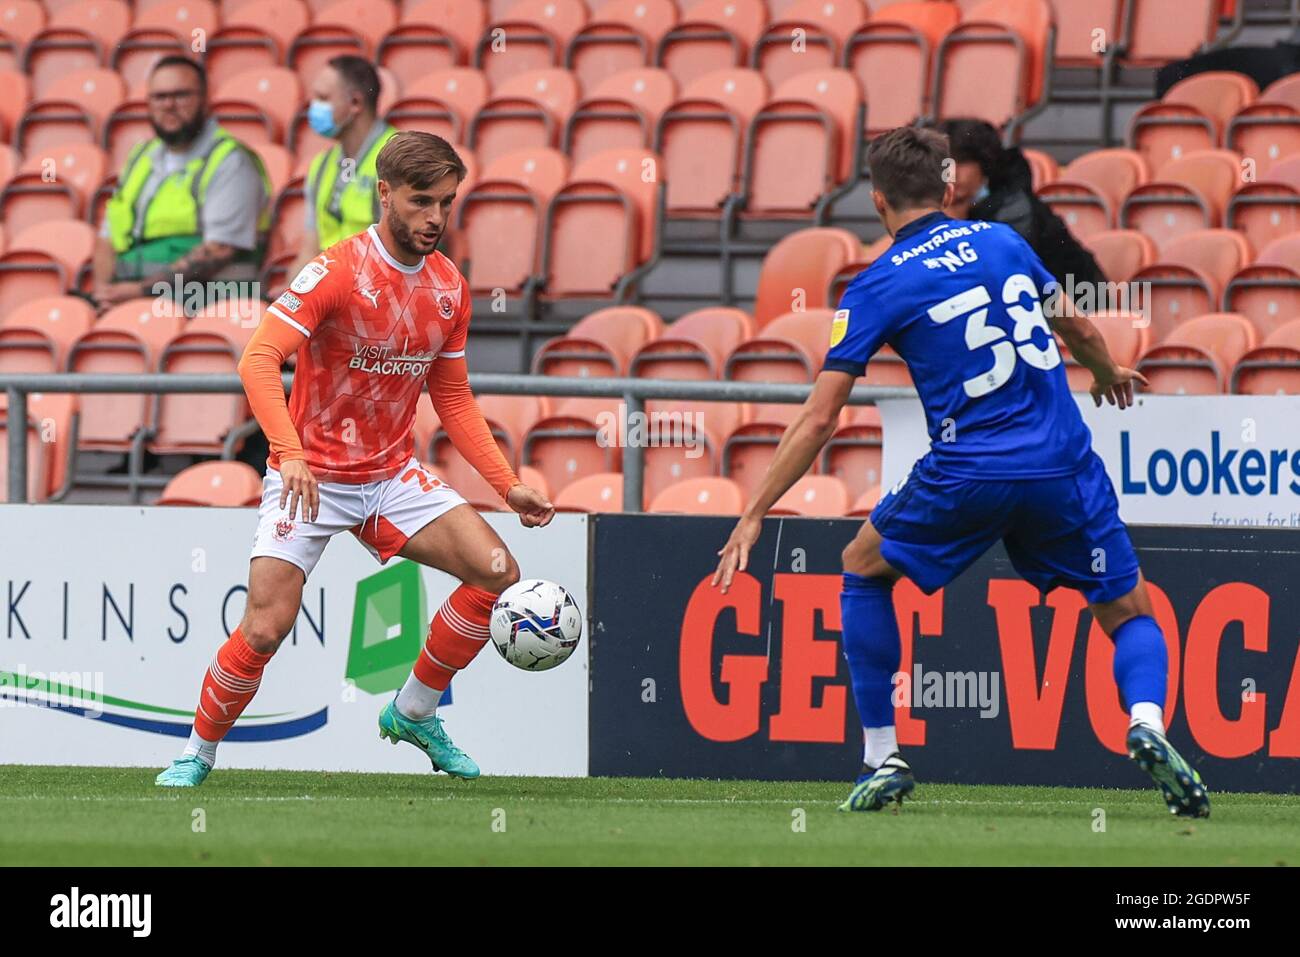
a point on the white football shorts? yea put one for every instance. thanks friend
(383, 515)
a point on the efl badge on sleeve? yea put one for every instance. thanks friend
(839, 326)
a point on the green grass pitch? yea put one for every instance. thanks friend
(115, 816)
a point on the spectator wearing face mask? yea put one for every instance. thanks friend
(340, 195)
(994, 183)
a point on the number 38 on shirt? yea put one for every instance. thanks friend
(973, 304)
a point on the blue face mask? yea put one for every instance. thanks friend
(981, 195)
(320, 117)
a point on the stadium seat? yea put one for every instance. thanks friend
(601, 344)
(497, 226)
(991, 66)
(750, 445)
(815, 496)
(1266, 133)
(621, 35)
(1161, 31)
(1076, 30)
(705, 495)
(1269, 209)
(72, 110)
(621, 112)
(712, 35)
(1190, 275)
(1274, 367)
(1187, 194)
(1120, 252)
(610, 196)
(57, 52)
(568, 443)
(221, 484)
(461, 22)
(371, 19)
(807, 35)
(43, 260)
(855, 451)
(212, 341)
(316, 45)
(1090, 191)
(21, 21)
(702, 139)
(509, 418)
(797, 271)
(526, 111)
(532, 36)
(804, 141)
(15, 94)
(695, 346)
(865, 503)
(1043, 167)
(790, 348)
(1267, 295)
(135, 55)
(602, 492)
(52, 186)
(892, 55)
(36, 336)
(260, 104)
(1198, 357)
(1192, 115)
(1128, 335)
(51, 438)
(441, 102)
(127, 340)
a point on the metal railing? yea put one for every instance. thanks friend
(633, 392)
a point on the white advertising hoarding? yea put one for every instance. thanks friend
(1174, 460)
(113, 613)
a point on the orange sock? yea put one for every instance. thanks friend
(457, 633)
(228, 687)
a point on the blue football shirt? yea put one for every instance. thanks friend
(961, 303)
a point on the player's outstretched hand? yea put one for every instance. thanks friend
(735, 554)
(533, 508)
(1117, 388)
(299, 485)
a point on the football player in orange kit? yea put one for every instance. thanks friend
(373, 320)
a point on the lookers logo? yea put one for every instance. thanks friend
(1208, 466)
(75, 910)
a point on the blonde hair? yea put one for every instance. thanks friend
(417, 159)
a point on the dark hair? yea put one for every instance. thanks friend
(359, 76)
(974, 141)
(417, 159)
(907, 165)
(176, 59)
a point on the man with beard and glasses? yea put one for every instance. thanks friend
(191, 202)
(373, 320)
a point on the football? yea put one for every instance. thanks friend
(536, 624)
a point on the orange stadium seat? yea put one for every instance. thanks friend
(1285, 91)
(527, 110)
(1270, 209)
(316, 45)
(621, 35)
(531, 36)
(54, 186)
(1193, 115)
(790, 348)
(1188, 194)
(1198, 357)
(865, 503)
(892, 55)
(706, 495)
(991, 65)
(685, 440)
(612, 195)
(1190, 275)
(1128, 335)
(370, 19)
(51, 429)
(126, 340)
(804, 141)
(712, 35)
(1043, 168)
(212, 341)
(1274, 367)
(1267, 133)
(602, 492)
(20, 21)
(137, 52)
(1281, 252)
(258, 105)
(441, 102)
(15, 94)
(855, 450)
(462, 22)
(815, 496)
(808, 35)
(220, 484)
(73, 110)
(1090, 191)
(182, 18)
(695, 346)
(43, 260)
(37, 336)
(497, 225)
(509, 418)
(750, 445)
(236, 49)
(797, 271)
(59, 51)
(1121, 252)
(278, 164)
(568, 443)
(620, 112)
(702, 139)
(600, 344)
(1162, 31)
(411, 50)
(1267, 295)
(1076, 30)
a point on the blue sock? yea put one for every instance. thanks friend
(871, 645)
(1141, 661)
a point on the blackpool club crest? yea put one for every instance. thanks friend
(446, 307)
(284, 530)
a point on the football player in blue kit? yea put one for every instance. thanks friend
(1010, 457)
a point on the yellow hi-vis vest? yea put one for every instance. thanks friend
(172, 222)
(358, 205)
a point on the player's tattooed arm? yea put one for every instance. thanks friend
(201, 263)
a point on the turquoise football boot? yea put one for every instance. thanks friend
(187, 772)
(430, 737)
(876, 787)
(1184, 791)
